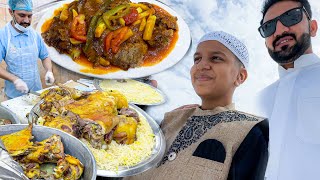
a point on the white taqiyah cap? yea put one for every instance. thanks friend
(231, 42)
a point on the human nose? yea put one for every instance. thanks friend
(280, 29)
(26, 20)
(203, 64)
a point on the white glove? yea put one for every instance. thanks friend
(21, 86)
(49, 78)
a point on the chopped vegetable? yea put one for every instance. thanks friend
(116, 38)
(122, 22)
(74, 41)
(74, 13)
(93, 23)
(110, 15)
(78, 28)
(147, 34)
(143, 24)
(131, 17)
(104, 62)
(137, 22)
(139, 10)
(75, 53)
(146, 13)
(100, 28)
(142, 6)
(64, 15)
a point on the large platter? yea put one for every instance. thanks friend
(72, 145)
(180, 49)
(156, 155)
(97, 82)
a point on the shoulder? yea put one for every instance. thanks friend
(177, 115)
(260, 128)
(249, 116)
(3, 33)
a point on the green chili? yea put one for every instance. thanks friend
(93, 22)
(110, 15)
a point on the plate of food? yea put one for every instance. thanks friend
(123, 139)
(114, 39)
(48, 153)
(136, 92)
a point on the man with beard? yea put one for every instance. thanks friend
(20, 47)
(292, 103)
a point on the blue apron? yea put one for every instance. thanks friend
(22, 62)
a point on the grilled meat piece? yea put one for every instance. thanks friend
(125, 132)
(161, 37)
(129, 113)
(48, 150)
(69, 168)
(130, 55)
(93, 132)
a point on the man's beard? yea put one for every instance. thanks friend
(290, 54)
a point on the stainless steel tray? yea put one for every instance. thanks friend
(72, 145)
(6, 113)
(156, 155)
(96, 83)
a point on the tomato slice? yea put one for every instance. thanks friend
(78, 28)
(131, 17)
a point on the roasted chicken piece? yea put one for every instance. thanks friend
(96, 103)
(93, 132)
(31, 170)
(69, 168)
(48, 150)
(18, 143)
(125, 132)
(67, 124)
(121, 100)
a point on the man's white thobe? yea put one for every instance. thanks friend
(292, 105)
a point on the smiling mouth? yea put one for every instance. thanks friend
(203, 78)
(283, 41)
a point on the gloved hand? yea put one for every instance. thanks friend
(49, 78)
(21, 85)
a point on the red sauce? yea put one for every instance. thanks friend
(96, 70)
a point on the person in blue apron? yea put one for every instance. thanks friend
(20, 47)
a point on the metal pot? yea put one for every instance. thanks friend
(6, 113)
(72, 145)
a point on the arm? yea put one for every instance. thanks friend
(49, 78)
(46, 61)
(250, 160)
(47, 64)
(4, 74)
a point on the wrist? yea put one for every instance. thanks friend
(16, 80)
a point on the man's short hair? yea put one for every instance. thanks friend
(268, 3)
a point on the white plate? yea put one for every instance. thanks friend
(180, 49)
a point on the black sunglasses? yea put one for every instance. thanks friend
(289, 18)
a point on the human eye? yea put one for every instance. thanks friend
(216, 58)
(196, 59)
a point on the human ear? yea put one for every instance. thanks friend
(313, 28)
(241, 77)
(11, 12)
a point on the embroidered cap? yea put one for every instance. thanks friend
(25, 5)
(231, 42)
